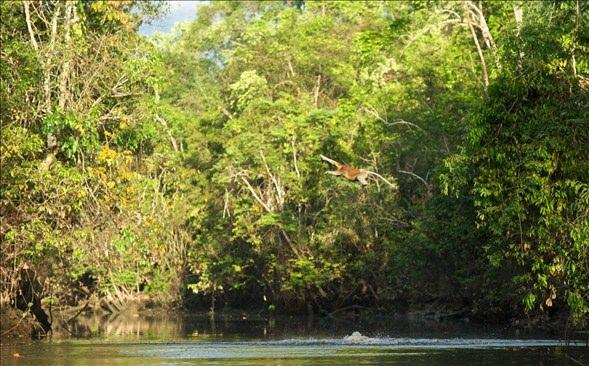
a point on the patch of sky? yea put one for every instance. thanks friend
(176, 12)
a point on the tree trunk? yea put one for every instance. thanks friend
(64, 95)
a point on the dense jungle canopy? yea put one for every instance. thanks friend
(184, 168)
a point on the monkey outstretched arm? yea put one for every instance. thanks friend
(331, 161)
(334, 172)
(339, 166)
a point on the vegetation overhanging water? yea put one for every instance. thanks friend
(310, 157)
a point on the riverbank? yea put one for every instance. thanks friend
(16, 325)
(90, 320)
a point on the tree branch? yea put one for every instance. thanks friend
(427, 185)
(26, 5)
(294, 156)
(316, 92)
(269, 210)
(489, 41)
(386, 122)
(477, 44)
(253, 192)
(392, 185)
(168, 131)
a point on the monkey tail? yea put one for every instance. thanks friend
(331, 161)
(383, 179)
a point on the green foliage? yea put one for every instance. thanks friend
(399, 90)
(192, 159)
(531, 184)
(83, 194)
(526, 156)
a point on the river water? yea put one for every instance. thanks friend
(245, 339)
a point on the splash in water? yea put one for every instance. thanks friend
(356, 337)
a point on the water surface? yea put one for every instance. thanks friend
(242, 339)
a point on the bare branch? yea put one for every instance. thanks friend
(269, 210)
(226, 113)
(26, 5)
(476, 42)
(279, 190)
(64, 92)
(226, 211)
(373, 112)
(47, 62)
(168, 131)
(294, 157)
(392, 185)
(386, 122)
(316, 92)
(290, 244)
(403, 122)
(253, 192)
(489, 41)
(573, 58)
(291, 68)
(452, 12)
(427, 185)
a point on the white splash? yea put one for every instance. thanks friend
(356, 337)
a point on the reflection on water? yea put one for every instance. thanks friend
(121, 326)
(169, 326)
(243, 339)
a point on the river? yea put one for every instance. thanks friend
(245, 339)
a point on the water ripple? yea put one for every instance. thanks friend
(288, 348)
